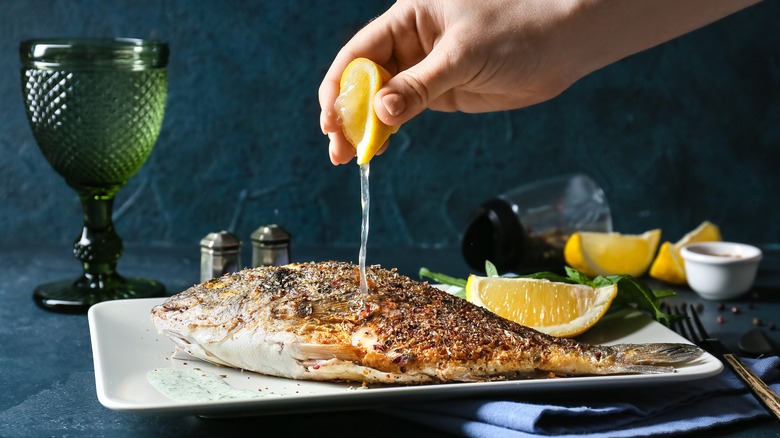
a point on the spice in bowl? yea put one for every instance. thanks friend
(720, 270)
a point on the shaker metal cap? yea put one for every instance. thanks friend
(220, 241)
(270, 234)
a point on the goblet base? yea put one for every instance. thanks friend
(68, 296)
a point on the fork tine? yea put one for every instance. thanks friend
(682, 324)
(696, 336)
(698, 324)
(671, 310)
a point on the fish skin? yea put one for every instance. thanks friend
(310, 321)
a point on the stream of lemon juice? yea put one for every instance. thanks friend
(365, 200)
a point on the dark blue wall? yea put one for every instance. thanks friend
(684, 132)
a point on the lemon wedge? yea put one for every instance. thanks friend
(355, 107)
(558, 309)
(669, 266)
(594, 253)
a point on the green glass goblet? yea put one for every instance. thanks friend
(95, 107)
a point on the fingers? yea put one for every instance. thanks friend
(370, 42)
(328, 92)
(411, 91)
(383, 148)
(340, 150)
(404, 96)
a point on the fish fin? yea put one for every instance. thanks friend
(643, 369)
(655, 354)
(344, 352)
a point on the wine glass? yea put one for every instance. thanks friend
(95, 107)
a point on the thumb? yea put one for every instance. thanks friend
(411, 91)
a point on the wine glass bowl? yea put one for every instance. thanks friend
(95, 107)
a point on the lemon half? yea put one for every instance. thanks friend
(355, 108)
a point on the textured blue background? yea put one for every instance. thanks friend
(684, 132)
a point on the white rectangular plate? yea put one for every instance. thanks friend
(126, 346)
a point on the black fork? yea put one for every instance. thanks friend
(690, 327)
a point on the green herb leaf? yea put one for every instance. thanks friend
(490, 269)
(548, 276)
(638, 294)
(577, 276)
(442, 278)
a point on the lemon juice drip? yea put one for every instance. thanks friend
(365, 200)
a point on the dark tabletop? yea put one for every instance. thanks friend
(47, 373)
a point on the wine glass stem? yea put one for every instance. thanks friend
(99, 246)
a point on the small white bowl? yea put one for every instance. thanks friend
(720, 270)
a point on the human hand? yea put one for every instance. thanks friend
(480, 56)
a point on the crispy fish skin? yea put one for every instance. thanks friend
(310, 321)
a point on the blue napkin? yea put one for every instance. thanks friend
(662, 409)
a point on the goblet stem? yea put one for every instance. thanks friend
(99, 246)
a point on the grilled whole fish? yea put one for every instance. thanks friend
(311, 321)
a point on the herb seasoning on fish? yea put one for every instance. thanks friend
(310, 321)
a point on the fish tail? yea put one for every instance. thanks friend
(653, 358)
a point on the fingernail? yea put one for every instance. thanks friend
(394, 104)
(330, 154)
(332, 150)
